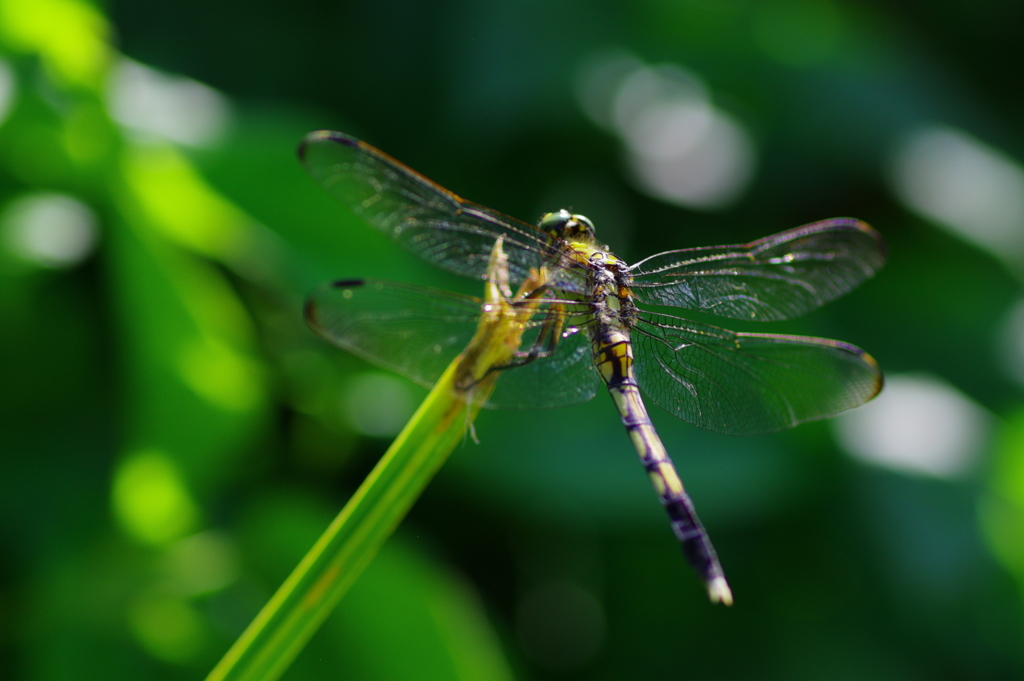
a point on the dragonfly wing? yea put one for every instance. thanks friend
(410, 330)
(781, 276)
(418, 332)
(425, 218)
(748, 383)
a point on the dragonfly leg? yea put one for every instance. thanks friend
(545, 344)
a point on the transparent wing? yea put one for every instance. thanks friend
(781, 276)
(401, 328)
(425, 218)
(747, 383)
(417, 332)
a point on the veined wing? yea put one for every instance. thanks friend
(417, 332)
(748, 383)
(778, 277)
(425, 218)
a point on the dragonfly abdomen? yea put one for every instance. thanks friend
(613, 356)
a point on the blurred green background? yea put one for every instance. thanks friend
(173, 439)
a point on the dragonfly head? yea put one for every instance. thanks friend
(565, 225)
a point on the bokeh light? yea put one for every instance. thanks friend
(680, 147)
(168, 628)
(967, 186)
(49, 229)
(377, 404)
(7, 89)
(150, 498)
(162, 106)
(201, 563)
(919, 424)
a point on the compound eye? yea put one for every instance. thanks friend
(554, 223)
(580, 228)
(588, 225)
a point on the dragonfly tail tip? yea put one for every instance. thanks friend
(719, 591)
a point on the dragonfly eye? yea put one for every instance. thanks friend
(555, 224)
(584, 228)
(565, 225)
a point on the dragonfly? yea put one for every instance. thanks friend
(592, 322)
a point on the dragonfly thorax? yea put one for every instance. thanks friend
(608, 290)
(564, 225)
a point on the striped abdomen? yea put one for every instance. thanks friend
(613, 355)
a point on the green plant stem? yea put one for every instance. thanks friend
(295, 612)
(290, 618)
